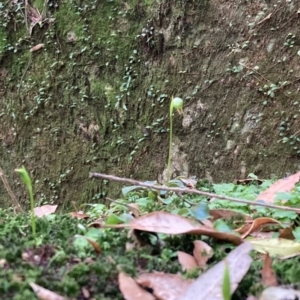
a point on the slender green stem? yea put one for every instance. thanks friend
(170, 142)
(27, 180)
(33, 225)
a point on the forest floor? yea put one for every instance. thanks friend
(157, 244)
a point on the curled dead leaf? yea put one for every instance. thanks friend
(256, 225)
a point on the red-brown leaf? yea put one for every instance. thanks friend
(167, 223)
(283, 185)
(267, 273)
(256, 225)
(131, 290)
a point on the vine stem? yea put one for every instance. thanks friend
(170, 142)
(188, 191)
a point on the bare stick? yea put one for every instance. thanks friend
(10, 192)
(188, 191)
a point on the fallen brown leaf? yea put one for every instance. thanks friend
(167, 223)
(44, 210)
(283, 185)
(36, 47)
(228, 214)
(131, 290)
(44, 294)
(256, 225)
(202, 253)
(267, 273)
(209, 285)
(187, 261)
(287, 233)
(164, 286)
(79, 215)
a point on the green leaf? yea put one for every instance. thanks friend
(224, 188)
(166, 201)
(280, 214)
(221, 226)
(253, 176)
(176, 183)
(114, 219)
(296, 234)
(276, 247)
(283, 196)
(201, 211)
(183, 212)
(226, 290)
(128, 189)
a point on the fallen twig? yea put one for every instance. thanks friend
(188, 191)
(10, 192)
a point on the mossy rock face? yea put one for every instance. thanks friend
(108, 70)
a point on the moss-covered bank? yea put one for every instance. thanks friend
(107, 71)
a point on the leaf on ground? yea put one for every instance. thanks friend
(167, 223)
(283, 185)
(262, 235)
(36, 47)
(114, 219)
(201, 211)
(44, 210)
(256, 225)
(187, 261)
(79, 215)
(202, 253)
(267, 273)
(209, 285)
(164, 286)
(44, 294)
(282, 248)
(228, 214)
(279, 293)
(287, 233)
(128, 189)
(131, 290)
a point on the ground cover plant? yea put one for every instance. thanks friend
(160, 241)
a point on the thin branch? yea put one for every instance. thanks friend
(10, 192)
(188, 191)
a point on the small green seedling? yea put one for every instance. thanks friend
(226, 289)
(26, 179)
(176, 103)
